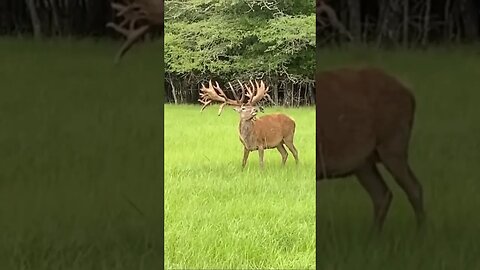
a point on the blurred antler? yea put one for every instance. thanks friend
(322, 7)
(209, 94)
(149, 12)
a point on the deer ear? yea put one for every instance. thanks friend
(237, 109)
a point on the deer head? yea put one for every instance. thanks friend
(247, 108)
(145, 13)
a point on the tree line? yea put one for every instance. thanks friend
(275, 40)
(54, 18)
(226, 41)
(402, 23)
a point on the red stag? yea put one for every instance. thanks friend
(365, 117)
(266, 132)
(147, 13)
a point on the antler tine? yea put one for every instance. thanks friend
(208, 95)
(253, 87)
(260, 93)
(205, 104)
(243, 91)
(249, 94)
(262, 85)
(220, 109)
(227, 100)
(148, 13)
(268, 96)
(217, 87)
(234, 92)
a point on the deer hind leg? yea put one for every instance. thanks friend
(283, 152)
(246, 152)
(396, 163)
(291, 147)
(371, 180)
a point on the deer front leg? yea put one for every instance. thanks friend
(260, 155)
(246, 152)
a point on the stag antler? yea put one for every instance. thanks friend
(133, 11)
(208, 95)
(322, 7)
(257, 93)
(254, 94)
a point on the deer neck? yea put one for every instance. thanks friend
(247, 135)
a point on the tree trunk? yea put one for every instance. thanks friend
(292, 92)
(311, 93)
(299, 94)
(426, 23)
(37, 30)
(469, 16)
(382, 20)
(354, 23)
(174, 91)
(405, 22)
(56, 29)
(275, 92)
(447, 21)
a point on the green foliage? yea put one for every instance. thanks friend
(243, 38)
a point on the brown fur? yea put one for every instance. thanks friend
(266, 132)
(364, 117)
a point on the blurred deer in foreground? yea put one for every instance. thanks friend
(266, 132)
(365, 117)
(146, 13)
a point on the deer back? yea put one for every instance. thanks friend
(357, 109)
(271, 130)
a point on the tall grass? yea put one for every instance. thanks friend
(80, 146)
(445, 152)
(81, 159)
(220, 217)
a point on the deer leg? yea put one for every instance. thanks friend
(371, 180)
(283, 152)
(260, 155)
(292, 149)
(246, 152)
(397, 165)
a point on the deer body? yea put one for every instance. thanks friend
(365, 117)
(266, 132)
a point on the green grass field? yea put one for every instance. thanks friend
(220, 217)
(81, 169)
(445, 153)
(80, 142)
